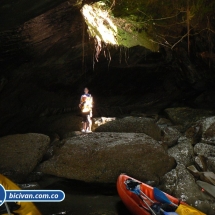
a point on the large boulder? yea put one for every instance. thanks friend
(101, 157)
(208, 130)
(20, 153)
(202, 131)
(211, 164)
(183, 151)
(204, 149)
(170, 135)
(208, 151)
(181, 184)
(133, 125)
(186, 116)
(194, 133)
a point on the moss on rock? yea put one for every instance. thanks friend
(104, 27)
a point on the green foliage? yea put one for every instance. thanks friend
(160, 17)
(153, 22)
(159, 9)
(106, 28)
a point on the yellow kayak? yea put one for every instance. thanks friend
(26, 208)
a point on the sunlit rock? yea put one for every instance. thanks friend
(107, 29)
(101, 121)
(133, 125)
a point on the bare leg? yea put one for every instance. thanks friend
(84, 126)
(89, 123)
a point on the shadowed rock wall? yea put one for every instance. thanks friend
(47, 59)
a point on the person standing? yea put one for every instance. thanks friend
(86, 105)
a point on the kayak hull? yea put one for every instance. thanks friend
(133, 202)
(26, 208)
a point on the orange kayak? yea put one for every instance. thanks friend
(133, 202)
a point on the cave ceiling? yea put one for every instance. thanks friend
(16, 12)
(164, 22)
(49, 51)
(51, 40)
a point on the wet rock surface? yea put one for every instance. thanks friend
(100, 157)
(82, 198)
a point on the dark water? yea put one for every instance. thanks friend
(82, 198)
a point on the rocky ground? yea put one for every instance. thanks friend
(157, 149)
(152, 110)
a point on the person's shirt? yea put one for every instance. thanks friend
(86, 102)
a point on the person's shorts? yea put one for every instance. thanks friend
(86, 116)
